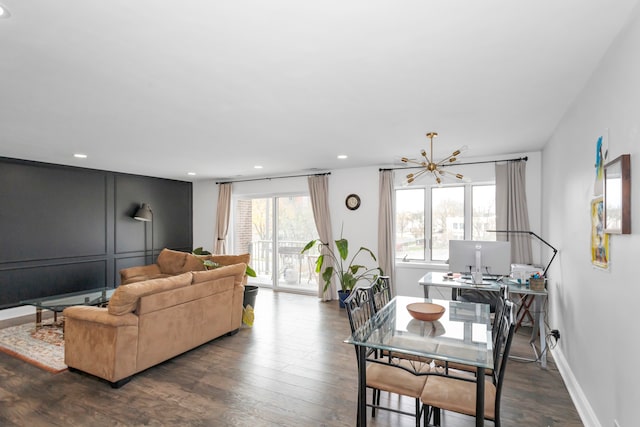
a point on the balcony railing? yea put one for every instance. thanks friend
(295, 270)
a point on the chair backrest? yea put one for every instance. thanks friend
(501, 354)
(498, 315)
(359, 307)
(380, 292)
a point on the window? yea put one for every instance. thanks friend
(274, 231)
(410, 238)
(483, 212)
(447, 219)
(428, 217)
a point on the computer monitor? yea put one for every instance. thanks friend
(487, 257)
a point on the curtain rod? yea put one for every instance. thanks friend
(519, 159)
(269, 178)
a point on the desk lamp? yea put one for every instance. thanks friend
(531, 233)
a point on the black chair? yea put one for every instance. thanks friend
(381, 373)
(380, 292)
(503, 296)
(458, 394)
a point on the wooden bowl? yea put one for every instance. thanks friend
(425, 311)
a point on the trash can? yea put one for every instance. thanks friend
(250, 293)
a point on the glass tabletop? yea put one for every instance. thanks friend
(462, 334)
(60, 302)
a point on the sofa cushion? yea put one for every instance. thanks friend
(229, 259)
(236, 269)
(176, 262)
(125, 298)
(193, 263)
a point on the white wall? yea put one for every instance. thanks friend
(361, 225)
(205, 202)
(595, 310)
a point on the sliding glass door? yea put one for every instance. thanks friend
(274, 230)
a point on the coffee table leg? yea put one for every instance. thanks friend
(38, 317)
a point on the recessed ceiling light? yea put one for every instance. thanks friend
(191, 173)
(342, 156)
(4, 12)
(257, 167)
(80, 156)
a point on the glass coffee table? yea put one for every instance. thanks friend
(57, 303)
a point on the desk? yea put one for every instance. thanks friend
(463, 335)
(433, 278)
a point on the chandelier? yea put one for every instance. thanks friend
(429, 165)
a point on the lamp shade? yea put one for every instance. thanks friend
(144, 213)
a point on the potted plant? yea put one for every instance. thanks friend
(348, 273)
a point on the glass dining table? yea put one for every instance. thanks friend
(461, 335)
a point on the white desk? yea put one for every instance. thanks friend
(433, 278)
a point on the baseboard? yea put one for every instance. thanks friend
(587, 415)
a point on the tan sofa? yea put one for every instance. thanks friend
(150, 321)
(171, 263)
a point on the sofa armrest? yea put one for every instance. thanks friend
(100, 343)
(138, 274)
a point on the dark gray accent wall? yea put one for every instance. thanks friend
(66, 229)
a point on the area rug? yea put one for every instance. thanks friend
(42, 347)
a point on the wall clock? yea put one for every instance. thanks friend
(352, 201)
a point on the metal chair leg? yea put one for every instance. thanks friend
(436, 416)
(376, 392)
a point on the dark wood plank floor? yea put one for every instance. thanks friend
(290, 369)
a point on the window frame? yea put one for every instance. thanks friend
(428, 214)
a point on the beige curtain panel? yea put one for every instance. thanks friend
(319, 192)
(386, 227)
(511, 209)
(222, 217)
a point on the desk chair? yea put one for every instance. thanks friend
(458, 394)
(380, 374)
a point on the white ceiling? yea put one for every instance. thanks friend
(163, 88)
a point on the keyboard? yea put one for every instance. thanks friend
(470, 282)
(484, 278)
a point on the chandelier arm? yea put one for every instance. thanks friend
(447, 160)
(424, 154)
(453, 174)
(420, 173)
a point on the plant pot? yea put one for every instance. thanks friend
(343, 295)
(250, 293)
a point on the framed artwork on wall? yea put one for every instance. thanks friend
(617, 195)
(599, 239)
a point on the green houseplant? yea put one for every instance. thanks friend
(348, 273)
(210, 265)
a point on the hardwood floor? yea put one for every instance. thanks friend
(290, 369)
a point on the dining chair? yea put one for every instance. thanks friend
(381, 373)
(458, 394)
(497, 321)
(380, 292)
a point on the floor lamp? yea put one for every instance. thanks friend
(145, 214)
(531, 233)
